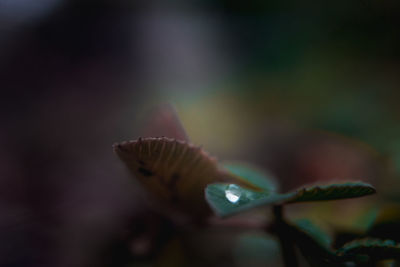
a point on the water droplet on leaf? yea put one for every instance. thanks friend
(233, 193)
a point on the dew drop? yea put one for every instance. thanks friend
(233, 193)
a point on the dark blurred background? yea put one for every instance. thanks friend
(305, 89)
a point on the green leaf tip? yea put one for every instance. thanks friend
(332, 192)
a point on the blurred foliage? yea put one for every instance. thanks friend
(306, 90)
(252, 174)
(311, 229)
(256, 249)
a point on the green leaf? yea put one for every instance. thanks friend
(229, 199)
(316, 233)
(366, 218)
(377, 249)
(252, 174)
(218, 196)
(387, 223)
(332, 192)
(256, 249)
(313, 243)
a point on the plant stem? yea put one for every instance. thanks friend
(287, 246)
